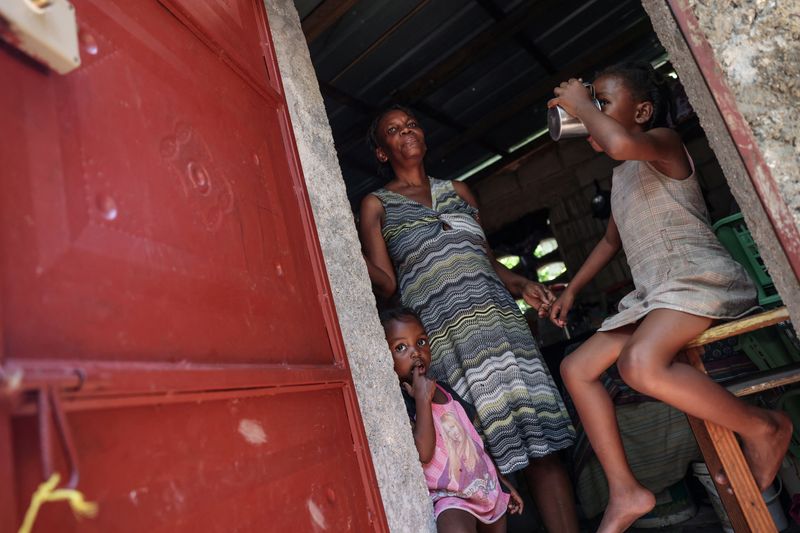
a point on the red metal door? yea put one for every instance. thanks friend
(162, 285)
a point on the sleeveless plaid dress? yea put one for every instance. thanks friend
(676, 260)
(480, 343)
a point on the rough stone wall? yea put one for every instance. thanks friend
(757, 44)
(402, 486)
(762, 84)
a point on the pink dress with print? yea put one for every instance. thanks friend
(461, 475)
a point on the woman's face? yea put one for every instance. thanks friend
(400, 138)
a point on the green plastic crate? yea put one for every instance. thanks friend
(790, 403)
(768, 348)
(735, 237)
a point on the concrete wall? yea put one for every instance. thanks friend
(758, 47)
(756, 43)
(402, 486)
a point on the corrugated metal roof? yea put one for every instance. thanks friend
(477, 72)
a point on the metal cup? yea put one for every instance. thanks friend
(562, 125)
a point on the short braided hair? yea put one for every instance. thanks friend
(646, 85)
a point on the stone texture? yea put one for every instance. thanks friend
(757, 44)
(711, 14)
(402, 486)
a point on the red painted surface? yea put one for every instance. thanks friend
(161, 272)
(760, 175)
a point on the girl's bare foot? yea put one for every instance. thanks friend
(764, 451)
(624, 508)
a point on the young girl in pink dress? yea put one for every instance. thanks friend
(462, 479)
(684, 280)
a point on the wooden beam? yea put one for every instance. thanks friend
(358, 131)
(325, 15)
(737, 327)
(477, 47)
(511, 161)
(721, 451)
(380, 40)
(764, 380)
(542, 89)
(521, 39)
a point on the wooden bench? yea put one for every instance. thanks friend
(743, 502)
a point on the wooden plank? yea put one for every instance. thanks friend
(713, 464)
(765, 380)
(721, 451)
(737, 327)
(324, 16)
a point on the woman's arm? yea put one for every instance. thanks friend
(535, 294)
(602, 253)
(379, 264)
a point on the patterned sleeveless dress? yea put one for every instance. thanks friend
(480, 343)
(676, 260)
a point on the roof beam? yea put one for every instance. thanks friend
(381, 39)
(521, 39)
(358, 132)
(542, 89)
(514, 22)
(325, 15)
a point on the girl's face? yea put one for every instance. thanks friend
(400, 138)
(410, 349)
(617, 101)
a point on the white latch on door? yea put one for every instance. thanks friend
(44, 29)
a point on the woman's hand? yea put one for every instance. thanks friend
(515, 503)
(573, 96)
(538, 296)
(560, 309)
(422, 388)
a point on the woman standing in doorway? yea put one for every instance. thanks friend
(422, 239)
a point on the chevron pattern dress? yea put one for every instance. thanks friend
(480, 343)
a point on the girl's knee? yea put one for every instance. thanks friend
(636, 368)
(570, 370)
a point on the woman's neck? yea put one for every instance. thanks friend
(411, 176)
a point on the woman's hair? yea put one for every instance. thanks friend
(372, 133)
(459, 453)
(403, 314)
(645, 84)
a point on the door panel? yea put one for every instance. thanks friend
(160, 276)
(158, 206)
(228, 26)
(220, 465)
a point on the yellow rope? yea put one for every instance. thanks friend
(47, 492)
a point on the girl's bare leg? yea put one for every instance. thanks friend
(647, 365)
(581, 371)
(552, 492)
(456, 521)
(499, 526)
